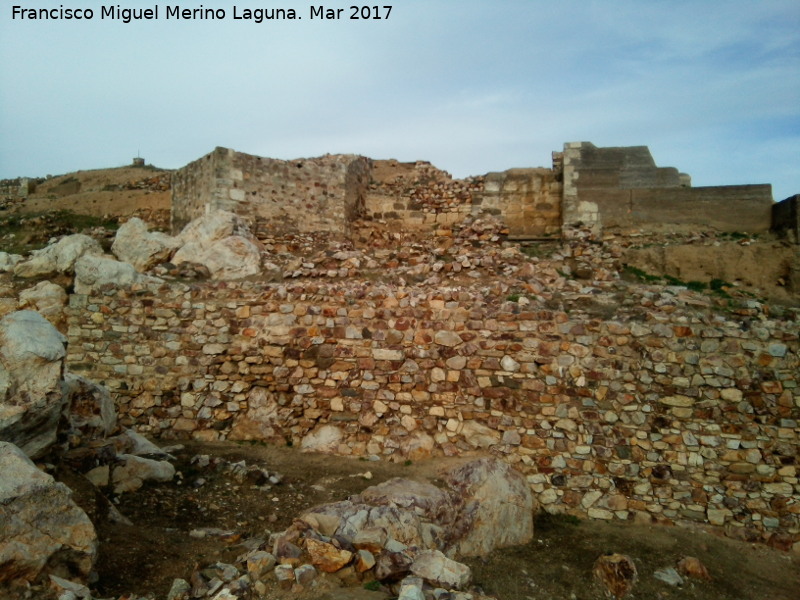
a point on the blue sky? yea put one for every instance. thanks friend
(713, 88)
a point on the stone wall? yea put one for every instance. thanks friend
(420, 196)
(314, 194)
(623, 189)
(786, 218)
(684, 416)
(528, 200)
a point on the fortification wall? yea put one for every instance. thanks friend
(420, 196)
(786, 218)
(622, 188)
(684, 416)
(314, 194)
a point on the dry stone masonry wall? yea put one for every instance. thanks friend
(317, 194)
(676, 416)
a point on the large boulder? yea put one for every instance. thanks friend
(43, 531)
(143, 249)
(222, 243)
(497, 507)
(486, 505)
(59, 257)
(214, 225)
(31, 364)
(94, 271)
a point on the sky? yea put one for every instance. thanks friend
(473, 86)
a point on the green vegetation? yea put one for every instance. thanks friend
(373, 586)
(715, 286)
(642, 275)
(21, 233)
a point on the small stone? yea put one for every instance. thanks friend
(365, 560)
(616, 573)
(690, 566)
(327, 557)
(669, 576)
(259, 564)
(180, 590)
(284, 574)
(305, 574)
(447, 338)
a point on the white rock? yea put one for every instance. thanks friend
(325, 439)
(59, 257)
(479, 435)
(46, 298)
(135, 470)
(438, 570)
(93, 271)
(42, 528)
(8, 261)
(31, 361)
(214, 225)
(143, 249)
(232, 257)
(497, 507)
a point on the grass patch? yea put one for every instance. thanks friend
(642, 276)
(21, 233)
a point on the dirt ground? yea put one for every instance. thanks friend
(102, 193)
(235, 514)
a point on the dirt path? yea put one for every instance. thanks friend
(162, 542)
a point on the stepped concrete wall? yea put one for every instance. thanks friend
(622, 188)
(678, 417)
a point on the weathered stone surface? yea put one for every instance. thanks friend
(220, 241)
(325, 439)
(92, 271)
(135, 470)
(31, 363)
(616, 573)
(305, 574)
(232, 257)
(259, 563)
(438, 570)
(46, 298)
(478, 435)
(447, 338)
(423, 499)
(9, 261)
(59, 257)
(392, 566)
(143, 249)
(42, 528)
(497, 507)
(89, 410)
(327, 557)
(260, 421)
(690, 566)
